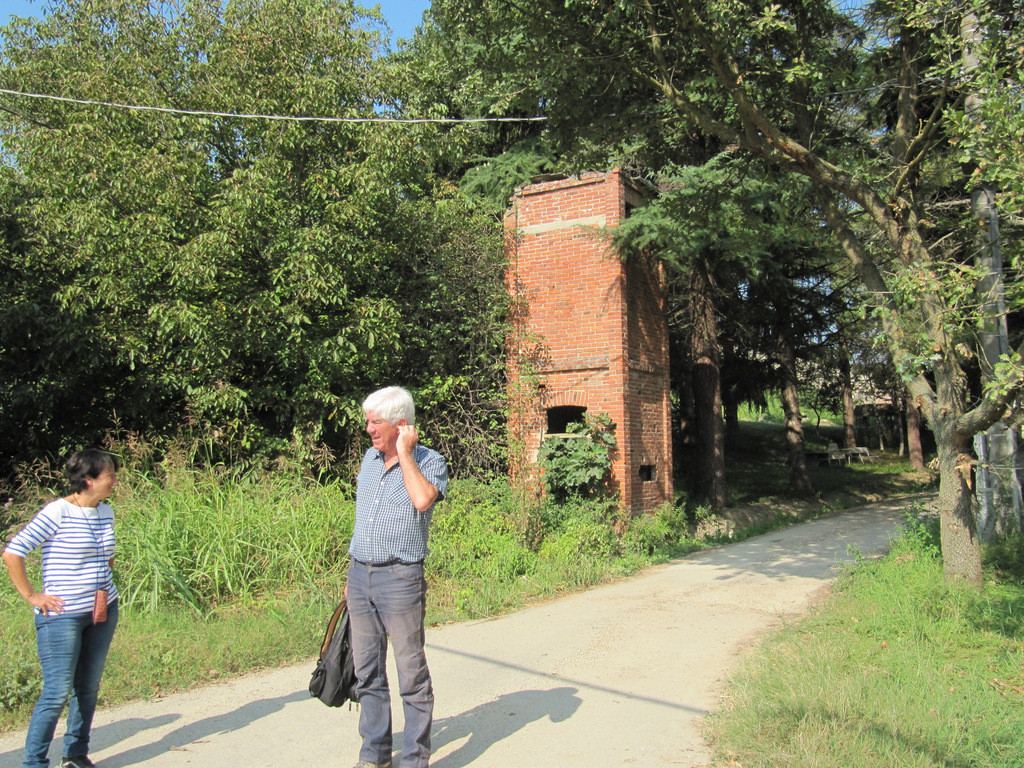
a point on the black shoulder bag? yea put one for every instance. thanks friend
(334, 679)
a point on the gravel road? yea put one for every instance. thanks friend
(620, 675)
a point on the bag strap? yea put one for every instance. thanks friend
(331, 626)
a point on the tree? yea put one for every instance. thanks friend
(763, 78)
(251, 278)
(750, 274)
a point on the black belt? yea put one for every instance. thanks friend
(386, 563)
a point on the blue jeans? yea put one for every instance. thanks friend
(390, 601)
(72, 653)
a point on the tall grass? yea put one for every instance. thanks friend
(204, 538)
(489, 554)
(224, 571)
(221, 572)
(900, 668)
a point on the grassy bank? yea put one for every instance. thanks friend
(224, 572)
(899, 668)
(219, 573)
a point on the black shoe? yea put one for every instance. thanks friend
(80, 761)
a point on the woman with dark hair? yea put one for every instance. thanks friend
(76, 612)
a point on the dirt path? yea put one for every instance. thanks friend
(617, 676)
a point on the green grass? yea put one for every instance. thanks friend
(168, 650)
(223, 572)
(899, 668)
(219, 573)
(492, 553)
(205, 538)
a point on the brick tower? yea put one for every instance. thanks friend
(589, 330)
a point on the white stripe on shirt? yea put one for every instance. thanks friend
(77, 544)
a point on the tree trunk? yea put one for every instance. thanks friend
(899, 434)
(914, 434)
(899, 223)
(684, 396)
(961, 548)
(707, 390)
(999, 489)
(849, 432)
(799, 479)
(732, 418)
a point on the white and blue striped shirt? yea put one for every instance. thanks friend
(77, 544)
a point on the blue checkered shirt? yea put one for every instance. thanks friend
(388, 527)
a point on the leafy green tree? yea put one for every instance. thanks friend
(787, 83)
(748, 266)
(614, 131)
(41, 374)
(251, 278)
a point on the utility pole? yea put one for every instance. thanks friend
(998, 481)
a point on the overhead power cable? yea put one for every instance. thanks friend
(297, 118)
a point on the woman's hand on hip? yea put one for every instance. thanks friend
(46, 603)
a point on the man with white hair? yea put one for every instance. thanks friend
(398, 484)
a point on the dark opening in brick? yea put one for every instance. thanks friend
(561, 416)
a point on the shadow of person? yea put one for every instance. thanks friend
(101, 736)
(497, 720)
(192, 732)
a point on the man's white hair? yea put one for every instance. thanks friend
(391, 404)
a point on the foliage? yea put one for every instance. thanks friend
(21, 686)
(921, 532)
(252, 278)
(1005, 559)
(576, 464)
(861, 103)
(476, 534)
(771, 268)
(666, 532)
(494, 179)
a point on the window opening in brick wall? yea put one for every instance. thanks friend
(647, 473)
(561, 416)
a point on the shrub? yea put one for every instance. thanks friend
(663, 532)
(576, 465)
(580, 538)
(474, 533)
(921, 531)
(1004, 558)
(20, 685)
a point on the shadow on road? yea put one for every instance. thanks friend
(102, 736)
(109, 735)
(489, 723)
(816, 549)
(562, 679)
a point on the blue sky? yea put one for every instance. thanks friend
(402, 15)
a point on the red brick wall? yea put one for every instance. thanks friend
(589, 327)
